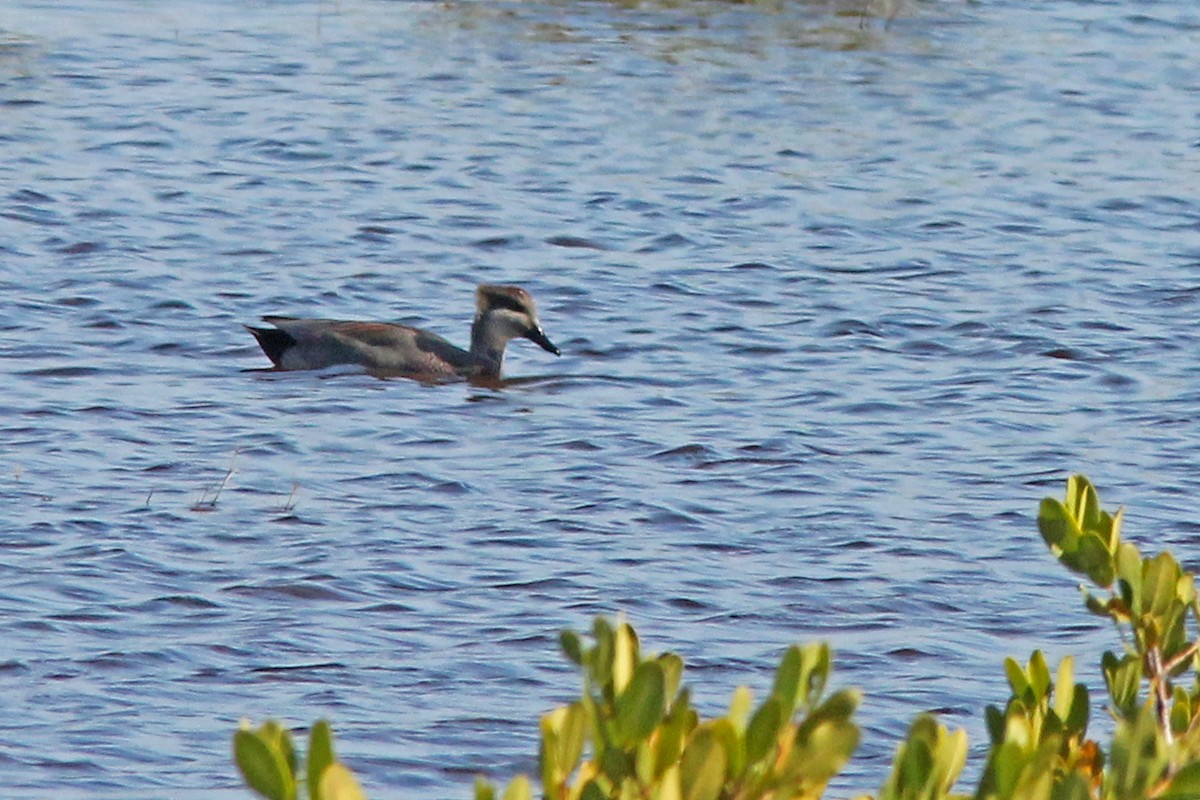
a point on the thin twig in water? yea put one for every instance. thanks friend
(209, 505)
(290, 504)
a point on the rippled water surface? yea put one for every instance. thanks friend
(839, 299)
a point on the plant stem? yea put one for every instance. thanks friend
(1159, 685)
(1187, 653)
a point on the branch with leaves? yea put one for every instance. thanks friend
(633, 734)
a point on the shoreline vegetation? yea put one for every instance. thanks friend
(634, 735)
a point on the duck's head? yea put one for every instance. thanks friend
(512, 310)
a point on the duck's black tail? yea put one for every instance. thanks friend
(273, 341)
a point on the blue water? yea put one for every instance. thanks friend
(840, 298)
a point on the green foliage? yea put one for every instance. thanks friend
(1039, 745)
(267, 760)
(633, 734)
(1155, 751)
(1081, 535)
(927, 763)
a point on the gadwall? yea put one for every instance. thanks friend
(501, 313)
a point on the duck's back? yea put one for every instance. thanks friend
(378, 346)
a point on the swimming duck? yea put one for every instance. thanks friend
(501, 313)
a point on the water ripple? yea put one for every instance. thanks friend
(830, 327)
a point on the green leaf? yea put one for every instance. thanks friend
(951, 756)
(1076, 721)
(616, 764)
(913, 762)
(672, 667)
(1123, 677)
(1160, 578)
(563, 731)
(1057, 526)
(641, 706)
(912, 770)
(1017, 680)
(338, 783)
(825, 740)
(739, 707)
(1129, 563)
(994, 718)
(727, 737)
(1064, 687)
(816, 664)
(1039, 675)
(1181, 711)
(572, 646)
(1095, 561)
(671, 735)
(572, 736)
(840, 706)
(519, 789)
(1139, 757)
(1084, 502)
(1018, 729)
(1073, 786)
(592, 791)
(601, 656)
(702, 768)
(1185, 590)
(484, 789)
(1114, 530)
(279, 739)
(928, 762)
(320, 757)
(262, 767)
(1094, 604)
(1185, 785)
(1008, 761)
(733, 745)
(763, 730)
(787, 680)
(625, 656)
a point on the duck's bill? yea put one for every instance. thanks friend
(538, 337)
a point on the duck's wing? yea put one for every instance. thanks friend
(376, 345)
(436, 347)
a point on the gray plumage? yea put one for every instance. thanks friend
(502, 313)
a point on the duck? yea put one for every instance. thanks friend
(502, 313)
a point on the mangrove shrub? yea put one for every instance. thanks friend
(633, 733)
